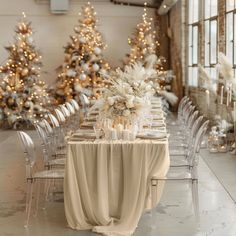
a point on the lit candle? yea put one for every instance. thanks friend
(125, 133)
(217, 71)
(207, 98)
(221, 94)
(227, 97)
(119, 129)
(234, 113)
(230, 93)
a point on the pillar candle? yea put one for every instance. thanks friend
(125, 134)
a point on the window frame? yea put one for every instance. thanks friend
(211, 65)
(233, 41)
(194, 25)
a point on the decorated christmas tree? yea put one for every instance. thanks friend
(143, 43)
(83, 63)
(144, 48)
(23, 95)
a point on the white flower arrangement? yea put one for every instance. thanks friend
(129, 93)
(126, 101)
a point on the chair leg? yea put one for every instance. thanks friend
(27, 195)
(48, 183)
(195, 198)
(154, 192)
(30, 202)
(37, 197)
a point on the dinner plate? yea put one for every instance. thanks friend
(155, 135)
(87, 124)
(84, 131)
(84, 135)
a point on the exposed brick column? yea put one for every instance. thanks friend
(221, 26)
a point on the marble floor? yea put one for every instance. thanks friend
(173, 216)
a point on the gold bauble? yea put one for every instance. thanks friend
(24, 72)
(10, 101)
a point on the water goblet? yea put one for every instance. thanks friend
(97, 130)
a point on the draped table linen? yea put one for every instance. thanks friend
(107, 184)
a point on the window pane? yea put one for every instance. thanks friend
(214, 7)
(229, 5)
(190, 8)
(213, 44)
(207, 8)
(234, 42)
(195, 77)
(190, 76)
(195, 10)
(207, 56)
(229, 35)
(195, 45)
(213, 72)
(190, 48)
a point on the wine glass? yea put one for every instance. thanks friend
(97, 127)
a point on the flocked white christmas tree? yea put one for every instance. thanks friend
(83, 62)
(23, 96)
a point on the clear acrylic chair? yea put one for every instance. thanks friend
(50, 156)
(172, 119)
(182, 116)
(181, 131)
(85, 103)
(184, 158)
(70, 108)
(68, 116)
(182, 138)
(34, 176)
(186, 174)
(58, 130)
(74, 116)
(50, 133)
(75, 104)
(62, 120)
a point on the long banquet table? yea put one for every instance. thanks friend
(107, 184)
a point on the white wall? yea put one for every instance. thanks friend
(52, 32)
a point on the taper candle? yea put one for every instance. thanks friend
(207, 99)
(221, 94)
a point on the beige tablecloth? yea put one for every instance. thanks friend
(107, 184)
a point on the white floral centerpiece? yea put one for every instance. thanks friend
(129, 94)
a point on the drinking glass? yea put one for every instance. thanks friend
(97, 130)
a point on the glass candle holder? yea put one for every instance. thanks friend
(222, 142)
(213, 141)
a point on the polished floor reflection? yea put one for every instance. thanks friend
(173, 216)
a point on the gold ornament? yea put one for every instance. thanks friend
(10, 101)
(24, 72)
